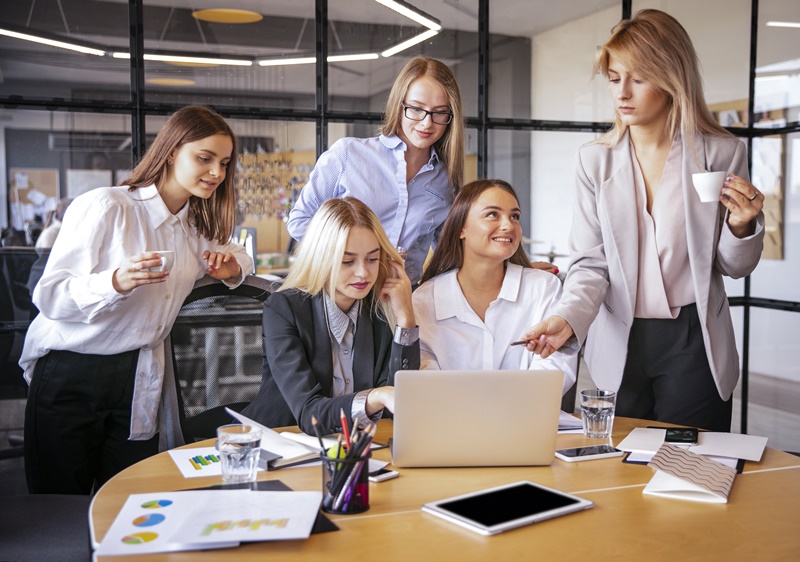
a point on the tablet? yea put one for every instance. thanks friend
(499, 509)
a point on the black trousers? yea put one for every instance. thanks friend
(667, 377)
(77, 422)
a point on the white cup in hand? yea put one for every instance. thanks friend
(709, 185)
(167, 260)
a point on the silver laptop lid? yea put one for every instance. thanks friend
(476, 418)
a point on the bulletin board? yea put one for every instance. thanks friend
(32, 191)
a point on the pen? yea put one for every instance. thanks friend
(520, 342)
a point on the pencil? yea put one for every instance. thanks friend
(319, 435)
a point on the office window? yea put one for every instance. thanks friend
(541, 63)
(230, 56)
(50, 155)
(777, 95)
(81, 68)
(773, 382)
(364, 29)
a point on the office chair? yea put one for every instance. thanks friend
(216, 347)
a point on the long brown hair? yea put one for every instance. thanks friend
(214, 217)
(450, 147)
(449, 253)
(655, 46)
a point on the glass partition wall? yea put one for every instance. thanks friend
(85, 84)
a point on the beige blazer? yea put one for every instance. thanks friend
(600, 288)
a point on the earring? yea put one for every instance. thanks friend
(169, 162)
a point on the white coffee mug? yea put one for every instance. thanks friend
(709, 185)
(167, 260)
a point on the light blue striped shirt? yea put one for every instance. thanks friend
(373, 170)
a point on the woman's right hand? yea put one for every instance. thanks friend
(136, 273)
(380, 398)
(546, 337)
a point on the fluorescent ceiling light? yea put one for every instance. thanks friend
(410, 43)
(412, 13)
(348, 58)
(282, 62)
(783, 24)
(52, 43)
(187, 60)
(312, 60)
(772, 78)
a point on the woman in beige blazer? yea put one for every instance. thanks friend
(644, 289)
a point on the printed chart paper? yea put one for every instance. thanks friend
(205, 519)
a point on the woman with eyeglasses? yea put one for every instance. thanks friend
(409, 174)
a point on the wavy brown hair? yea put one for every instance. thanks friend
(215, 217)
(449, 253)
(450, 147)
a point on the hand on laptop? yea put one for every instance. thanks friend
(546, 337)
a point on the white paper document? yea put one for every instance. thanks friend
(201, 461)
(709, 443)
(204, 519)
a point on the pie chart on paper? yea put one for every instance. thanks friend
(155, 504)
(139, 538)
(149, 520)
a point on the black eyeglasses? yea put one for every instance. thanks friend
(419, 114)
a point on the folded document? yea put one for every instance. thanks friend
(681, 474)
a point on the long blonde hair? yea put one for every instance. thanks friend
(318, 257)
(655, 46)
(214, 217)
(450, 147)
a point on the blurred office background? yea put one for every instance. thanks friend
(294, 76)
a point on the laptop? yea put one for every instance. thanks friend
(476, 418)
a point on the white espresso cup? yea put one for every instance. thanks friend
(709, 185)
(167, 260)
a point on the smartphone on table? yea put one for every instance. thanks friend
(382, 474)
(588, 453)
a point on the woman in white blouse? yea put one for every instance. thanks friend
(480, 292)
(94, 356)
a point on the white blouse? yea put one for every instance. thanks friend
(453, 337)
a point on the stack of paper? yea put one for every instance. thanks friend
(681, 474)
(643, 443)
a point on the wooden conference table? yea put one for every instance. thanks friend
(759, 522)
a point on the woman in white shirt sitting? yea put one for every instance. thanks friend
(480, 290)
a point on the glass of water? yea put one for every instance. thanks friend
(597, 412)
(239, 451)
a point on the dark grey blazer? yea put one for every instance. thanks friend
(298, 367)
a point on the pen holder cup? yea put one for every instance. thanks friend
(345, 484)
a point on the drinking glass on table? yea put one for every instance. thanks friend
(239, 451)
(597, 412)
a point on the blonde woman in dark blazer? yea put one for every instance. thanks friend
(645, 288)
(340, 327)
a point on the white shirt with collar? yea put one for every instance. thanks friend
(81, 311)
(453, 337)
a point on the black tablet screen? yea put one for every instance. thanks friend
(508, 504)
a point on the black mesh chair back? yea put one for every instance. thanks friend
(216, 345)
